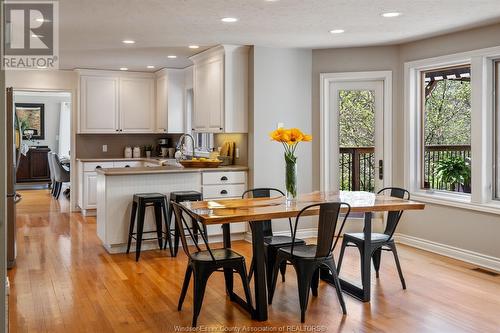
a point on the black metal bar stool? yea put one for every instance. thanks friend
(140, 203)
(178, 197)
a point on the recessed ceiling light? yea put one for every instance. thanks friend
(194, 47)
(229, 19)
(128, 41)
(123, 68)
(337, 31)
(391, 14)
(172, 56)
(150, 66)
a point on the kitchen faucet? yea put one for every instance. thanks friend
(181, 145)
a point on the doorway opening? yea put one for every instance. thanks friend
(42, 129)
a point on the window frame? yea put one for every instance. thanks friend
(482, 195)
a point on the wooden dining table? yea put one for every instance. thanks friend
(253, 210)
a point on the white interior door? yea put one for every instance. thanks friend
(357, 135)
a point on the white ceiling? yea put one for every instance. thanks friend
(91, 31)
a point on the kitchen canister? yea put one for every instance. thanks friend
(128, 152)
(137, 152)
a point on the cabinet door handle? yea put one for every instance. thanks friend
(98, 167)
(127, 166)
(223, 178)
(223, 192)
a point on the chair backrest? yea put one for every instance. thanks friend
(394, 217)
(180, 213)
(61, 174)
(327, 224)
(51, 166)
(265, 192)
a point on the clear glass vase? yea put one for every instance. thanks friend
(291, 178)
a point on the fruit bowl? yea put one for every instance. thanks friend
(200, 163)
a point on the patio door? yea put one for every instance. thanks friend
(357, 135)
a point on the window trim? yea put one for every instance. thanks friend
(482, 196)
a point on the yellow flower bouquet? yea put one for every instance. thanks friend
(290, 139)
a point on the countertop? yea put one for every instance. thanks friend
(165, 169)
(118, 159)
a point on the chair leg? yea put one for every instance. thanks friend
(376, 260)
(200, 282)
(140, 228)
(250, 272)
(185, 285)
(159, 224)
(315, 283)
(398, 265)
(304, 278)
(131, 227)
(279, 259)
(283, 271)
(58, 193)
(167, 226)
(338, 289)
(228, 279)
(341, 256)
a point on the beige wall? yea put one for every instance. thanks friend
(473, 231)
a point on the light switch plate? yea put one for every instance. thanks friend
(104, 148)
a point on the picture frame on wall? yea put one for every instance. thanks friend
(31, 116)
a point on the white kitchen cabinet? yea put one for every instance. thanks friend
(170, 101)
(137, 107)
(98, 104)
(113, 102)
(90, 190)
(220, 84)
(224, 185)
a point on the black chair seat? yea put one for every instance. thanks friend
(149, 196)
(219, 254)
(301, 251)
(280, 241)
(359, 236)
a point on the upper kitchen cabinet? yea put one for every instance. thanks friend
(98, 104)
(137, 107)
(220, 84)
(113, 102)
(170, 101)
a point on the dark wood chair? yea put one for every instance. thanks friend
(308, 259)
(272, 243)
(202, 263)
(383, 241)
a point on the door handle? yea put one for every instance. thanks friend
(223, 192)
(380, 169)
(223, 178)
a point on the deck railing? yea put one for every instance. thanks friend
(357, 172)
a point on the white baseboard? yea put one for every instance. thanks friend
(153, 244)
(475, 258)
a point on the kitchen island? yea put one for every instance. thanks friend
(116, 187)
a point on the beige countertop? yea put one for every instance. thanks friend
(165, 169)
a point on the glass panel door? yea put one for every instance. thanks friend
(358, 135)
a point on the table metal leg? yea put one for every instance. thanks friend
(228, 273)
(259, 271)
(363, 293)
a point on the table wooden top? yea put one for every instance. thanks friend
(257, 209)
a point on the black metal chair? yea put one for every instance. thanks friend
(202, 263)
(379, 241)
(272, 243)
(308, 259)
(52, 173)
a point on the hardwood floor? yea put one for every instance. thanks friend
(65, 281)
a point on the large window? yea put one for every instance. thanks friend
(446, 129)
